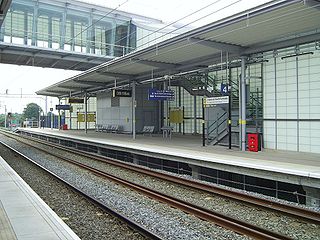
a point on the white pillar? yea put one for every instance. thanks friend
(134, 110)
(243, 116)
(195, 114)
(85, 111)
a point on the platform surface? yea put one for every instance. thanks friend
(190, 147)
(23, 214)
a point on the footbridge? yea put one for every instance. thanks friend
(66, 34)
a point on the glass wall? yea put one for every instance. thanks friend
(81, 32)
(292, 100)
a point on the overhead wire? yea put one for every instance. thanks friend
(175, 21)
(196, 20)
(181, 18)
(274, 19)
(189, 44)
(116, 8)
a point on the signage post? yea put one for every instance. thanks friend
(226, 91)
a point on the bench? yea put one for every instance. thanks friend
(148, 130)
(114, 128)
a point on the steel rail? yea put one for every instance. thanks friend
(291, 210)
(132, 224)
(212, 216)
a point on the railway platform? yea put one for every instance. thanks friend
(23, 214)
(298, 168)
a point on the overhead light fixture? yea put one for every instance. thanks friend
(296, 55)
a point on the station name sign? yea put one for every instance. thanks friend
(156, 94)
(76, 100)
(63, 107)
(121, 93)
(212, 101)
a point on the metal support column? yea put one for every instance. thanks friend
(51, 119)
(63, 28)
(126, 50)
(49, 31)
(194, 114)
(5, 116)
(89, 33)
(70, 120)
(35, 24)
(92, 38)
(25, 34)
(242, 120)
(2, 29)
(203, 125)
(166, 105)
(72, 42)
(59, 120)
(180, 106)
(134, 110)
(113, 39)
(85, 111)
(298, 115)
(230, 102)
(39, 118)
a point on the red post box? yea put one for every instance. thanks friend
(65, 127)
(253, 142)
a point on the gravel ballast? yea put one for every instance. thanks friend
(84, 218)
(286, 225)
(167, 222)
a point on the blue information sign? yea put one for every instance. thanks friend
(63, 107)
(224, 89)
(156, 94)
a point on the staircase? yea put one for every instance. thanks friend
(200, 85)
(217, 125)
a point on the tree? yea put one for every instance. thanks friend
(32, 111)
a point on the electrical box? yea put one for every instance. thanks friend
(253, 142)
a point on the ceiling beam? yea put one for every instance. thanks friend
(226, 47)
(117, 75)
(313, 3)
(54, 63)
(282, 44)
(91, 83)
(155, 63)
(57, 91)
(74, 87)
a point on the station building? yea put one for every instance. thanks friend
(278, 44)
(253, 72)
(72, 34)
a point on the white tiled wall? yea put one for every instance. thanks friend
(114, 115)
(284, 101)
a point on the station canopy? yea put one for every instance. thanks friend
(275, 25)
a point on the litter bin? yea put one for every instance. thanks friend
(253, 142)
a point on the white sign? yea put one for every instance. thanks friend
(216, 100)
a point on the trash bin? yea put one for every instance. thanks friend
(253, 142)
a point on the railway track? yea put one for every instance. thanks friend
(132, 224)
(298, 212)
(215, 217)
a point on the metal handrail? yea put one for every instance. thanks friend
(217, 125)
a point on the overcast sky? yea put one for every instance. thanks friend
(26, 80)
